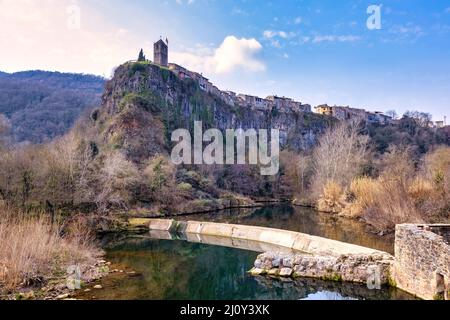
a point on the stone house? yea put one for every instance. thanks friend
(286, 104)
(325, 110)
(229, 97)
(439, 124)
(215, 91)
(203, 82)
(253, 102)
(342, 113)
(180, 71)
(378, 117)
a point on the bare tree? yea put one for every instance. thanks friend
(5, 128)
(339, 157)
(117, 177)
(423, 119)
(160, 178)
(393, 114)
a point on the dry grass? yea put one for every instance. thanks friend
(421, 190)
(362, 195)
(365, 191)
(393, 206)
(401, 193)
(33, 251)
(384, 202)
(392, 198)
(331, 198)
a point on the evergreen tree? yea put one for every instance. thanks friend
(142, 56)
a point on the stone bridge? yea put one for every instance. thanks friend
(420, 267)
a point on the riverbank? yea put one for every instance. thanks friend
(63, 287)
(197, 207)
(42, 256)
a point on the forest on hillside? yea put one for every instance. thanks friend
(43, 105)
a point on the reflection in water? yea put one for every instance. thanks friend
(178, 270)
(301, 219)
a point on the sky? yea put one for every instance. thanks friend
(315, 51)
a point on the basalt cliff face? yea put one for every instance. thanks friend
(144, 103)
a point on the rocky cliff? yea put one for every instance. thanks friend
(144, 103)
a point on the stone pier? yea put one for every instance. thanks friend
(422, 260)
(373, 270)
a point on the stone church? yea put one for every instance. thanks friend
(161, 53)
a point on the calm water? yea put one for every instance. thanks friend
(178, 270)
(305, 220)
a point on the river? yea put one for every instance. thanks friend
(178, 270)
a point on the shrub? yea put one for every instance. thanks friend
(184, 187)
(160, 176)
(331, 199)
(364, 190)
(340, 156)
(32, 250)
(117, 178)
(437, 166)
(362, 196)
(140, 66)
(420, 190)
(391, 205)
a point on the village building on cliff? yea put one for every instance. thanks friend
(283, 104)
(347, 113)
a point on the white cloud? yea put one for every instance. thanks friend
(447, 10)
(408, 32)
(231, 55)
(305, 39)
(35, 35)
(275, 37)
(407, 29)
(189, 2)
(275, 44)
(239, 11)
(298, 20)
(270, 34)
(334, 38)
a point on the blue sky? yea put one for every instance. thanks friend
(314, 51)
